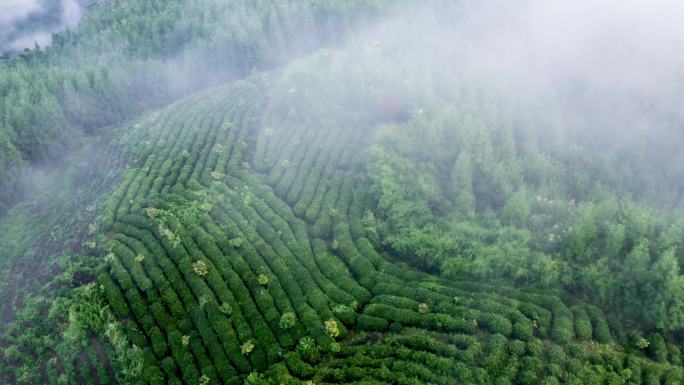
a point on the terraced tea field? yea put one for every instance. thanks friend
(310, 192)
(238, 253)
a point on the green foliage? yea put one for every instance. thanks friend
(273, 231)
(262, 279)
(287, 320)
(492, 223)
(657, 348)
(225, 308)
(583, 328)
(247, 347)
(114, 65)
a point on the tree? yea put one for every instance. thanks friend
(462, 184)
(287, 320)
(516, 211)
(662, 305)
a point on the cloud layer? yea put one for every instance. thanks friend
(13, 11)
(26, 22)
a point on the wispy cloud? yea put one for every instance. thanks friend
(16, 17)
(12, 11)
(71, 13)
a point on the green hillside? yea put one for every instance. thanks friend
(355, 214)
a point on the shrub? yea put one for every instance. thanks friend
(530, 369)
(204, 380)
(640, 342)
(582, 323)
(308, 350)
(657, 348)
(158, 342)
(633, 364)
(370, 323)
(577, 351)
(218, 148)
(562, 329)
(497, 354)
(152, 212)
(114, 296)
(674, 376)
(523, 330)
(169, 365)
(236, 242)
(535, 347)
(652, 375)
(423, 308)
(287, 320)
(516, 348)
(675, 353)
(601, 331)
(200, 268)
(225, 308)
(345, 314)
(247, 347)
(556, 355)
(297, 366)
(495, 323)
(332, 328)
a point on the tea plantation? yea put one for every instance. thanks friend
(237, 252)
(349, 217)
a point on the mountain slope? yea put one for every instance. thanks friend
(364, 214)
(238, 250)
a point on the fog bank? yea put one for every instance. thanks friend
(24, 23)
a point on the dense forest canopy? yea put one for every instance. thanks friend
(324, 191)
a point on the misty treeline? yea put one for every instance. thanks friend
(462, 203)
(482, 171)
(475, 201)
(127, 56)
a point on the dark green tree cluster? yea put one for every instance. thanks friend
(511, 213)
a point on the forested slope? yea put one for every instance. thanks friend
(127, 56)
(362, 215)
(238, 248)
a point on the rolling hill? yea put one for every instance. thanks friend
(347, 217)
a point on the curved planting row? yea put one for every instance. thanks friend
(315, 173)
(223, 264)
(242, 250)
